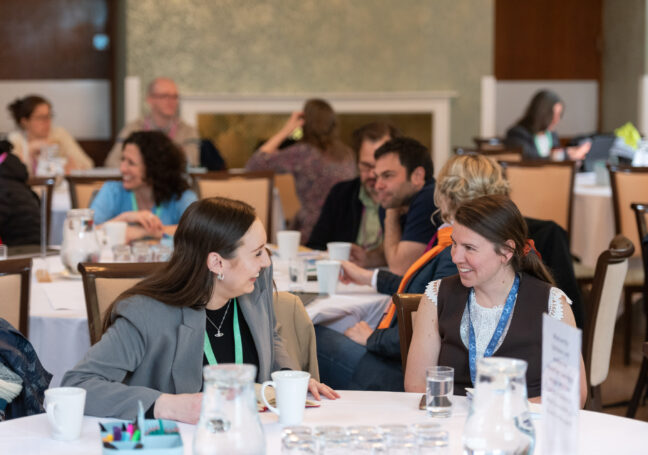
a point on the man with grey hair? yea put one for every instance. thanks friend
(162, 98)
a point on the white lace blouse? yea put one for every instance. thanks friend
(485, 319)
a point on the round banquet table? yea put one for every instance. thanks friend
(599, 433)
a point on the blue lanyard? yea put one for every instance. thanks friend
(157, 209)
(499, 330)
(238, 343)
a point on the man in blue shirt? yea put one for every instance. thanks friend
(405, 186)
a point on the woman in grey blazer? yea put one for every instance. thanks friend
(211, 303)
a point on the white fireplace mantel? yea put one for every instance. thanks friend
(437, 103)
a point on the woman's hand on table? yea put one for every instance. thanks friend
(183, 407)
(360, 332)
(316, 388)
(355, 274)
(578, 152)
(145, 218)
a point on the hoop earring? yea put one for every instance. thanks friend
(220, 276)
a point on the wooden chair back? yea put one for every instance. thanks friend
(489, 143)
(290, 202)
(543, 189)
(498, 154)
(255, 188)
(38, 184)
(102, 284)
(607, 286)
(406, 308)
(15, 277)
(83, 189)
(629, 184)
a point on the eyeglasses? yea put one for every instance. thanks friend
(165, 96)
(42, 118)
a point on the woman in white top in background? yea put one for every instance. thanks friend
(36, 136)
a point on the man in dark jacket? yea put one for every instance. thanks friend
(19, 206)
(350, 212)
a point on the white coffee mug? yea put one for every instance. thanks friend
(64, 407)
(115, 232)
(339, 251)
(290, 395)
(328, 273)
(288, 244)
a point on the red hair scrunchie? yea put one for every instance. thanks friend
(530, 246)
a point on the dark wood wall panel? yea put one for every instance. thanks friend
(548, 39)
(52, 39)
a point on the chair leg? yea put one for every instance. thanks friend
(638, 390)
(627, 316)
(594, 401)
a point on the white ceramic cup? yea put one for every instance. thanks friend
(290, 392)
(288, 244)
(339, 251)
(328, 273)
(64, 407)
(115, 232)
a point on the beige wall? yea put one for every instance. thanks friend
(289, 46)
(624, 60)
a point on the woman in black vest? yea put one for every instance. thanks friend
(501, 283)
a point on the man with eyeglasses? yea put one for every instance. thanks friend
(162, 98)
(350, 213)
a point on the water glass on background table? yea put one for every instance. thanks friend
(439, 389)
(3, 252)
(298, 443)
(297, 271)
(121, 253)
(431, 438)
(142, 253)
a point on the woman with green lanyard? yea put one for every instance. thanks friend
(153, 192)
(493, 307)
(535, 131)
(211, 303)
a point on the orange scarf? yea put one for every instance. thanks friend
(444, 240)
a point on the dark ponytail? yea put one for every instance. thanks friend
(498, 219)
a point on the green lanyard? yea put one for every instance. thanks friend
(238, 344)
(157, 210)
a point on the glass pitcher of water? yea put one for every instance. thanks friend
(229, 421)
(79, 239)
(499, 422)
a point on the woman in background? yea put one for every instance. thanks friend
(36, 136)
(318, 160)
(153, 193)
(535, 131)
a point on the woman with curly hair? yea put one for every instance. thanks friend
(318, 160)
(153, 192)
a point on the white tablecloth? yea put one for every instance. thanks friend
(592, 218)
(599, 433)
(59, 323)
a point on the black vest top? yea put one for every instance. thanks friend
(523, 339)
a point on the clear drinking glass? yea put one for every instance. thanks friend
(431, 438)
(499, 420)
(142, 253)
(402, 443)
(439, 389)
(162, 253)
(121, 253)
(298, 443)
(367, 441)
(297, 274)
(3, 252)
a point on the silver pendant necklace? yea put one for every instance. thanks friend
(218, 333)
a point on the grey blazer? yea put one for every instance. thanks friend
(153, 348)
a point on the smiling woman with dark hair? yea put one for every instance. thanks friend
(153, 192)
(211, 303)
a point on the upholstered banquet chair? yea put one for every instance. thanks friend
(642, 383)
(15, 277)
(102, 284)
(290, 204)
(296, 329)
(607, 286)
(255, 188)
(629, 184)
(84, 188)
(543, 189)
(406, 308)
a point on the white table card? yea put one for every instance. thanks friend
(561, 354)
